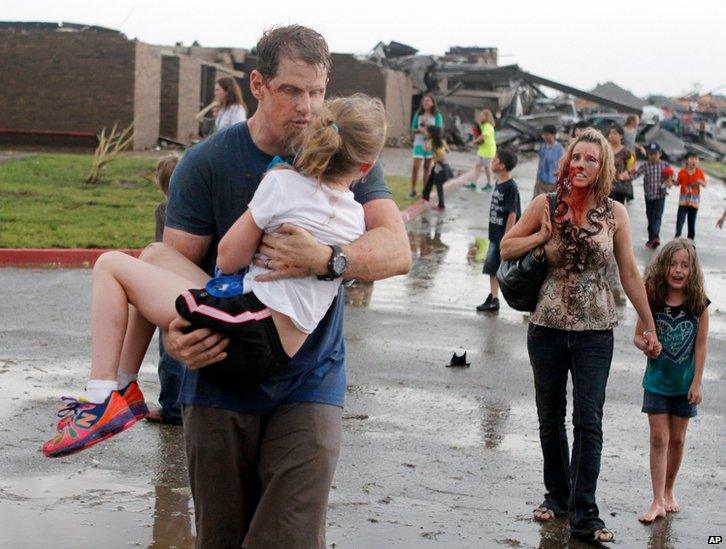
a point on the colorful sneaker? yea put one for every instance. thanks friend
(90, 424)
(135, 399)
(486, 188)
(131, 393)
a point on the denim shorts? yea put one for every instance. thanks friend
(493, 259)
(676, 405)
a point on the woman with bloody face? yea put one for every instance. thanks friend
(571, 329)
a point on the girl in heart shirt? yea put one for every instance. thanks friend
(672, 380)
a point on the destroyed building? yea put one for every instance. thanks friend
(64, 83)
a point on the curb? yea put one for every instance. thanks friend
(85, 258)
(74, 258)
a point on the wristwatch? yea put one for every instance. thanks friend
(337, 264)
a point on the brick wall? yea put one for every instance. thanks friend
(190, 77)
(65, 81)
(147, 93)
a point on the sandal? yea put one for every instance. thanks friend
(157, 415)
(603, 535)
(546, 514)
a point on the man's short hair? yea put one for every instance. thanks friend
(549, 128)
(294, 42)
(690, 154)
(508, 158)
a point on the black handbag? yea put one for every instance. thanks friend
(520, 280)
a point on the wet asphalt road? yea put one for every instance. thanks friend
(432, 456)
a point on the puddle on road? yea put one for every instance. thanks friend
(444, 419)
(83, 507)
(133, 491)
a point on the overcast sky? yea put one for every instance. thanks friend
(645, 46)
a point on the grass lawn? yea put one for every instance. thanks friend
(717, 168)
(44, 202)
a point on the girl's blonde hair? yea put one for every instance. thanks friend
(656, 278)
(605, 175)
(164, 169)
(487, 116)
(347, 132)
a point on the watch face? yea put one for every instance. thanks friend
(339, 264)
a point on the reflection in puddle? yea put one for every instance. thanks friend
(428, 252)
(358, 293)
(87, 501)
(494, 416)
(661, 535)
(173, 505)
(172, 518)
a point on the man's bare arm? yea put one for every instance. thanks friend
(191, 246)
(383, 251)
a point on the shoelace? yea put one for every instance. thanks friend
(71, 405)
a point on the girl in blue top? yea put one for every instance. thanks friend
(672, 380)
(427, 115)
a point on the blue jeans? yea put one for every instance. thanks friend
(170, 377)
(683, 212)
(654, 212)
(571, 482)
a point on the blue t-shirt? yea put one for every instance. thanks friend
(549, 160)
(672, 372)
(209, 190)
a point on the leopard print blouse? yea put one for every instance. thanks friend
(576, 295)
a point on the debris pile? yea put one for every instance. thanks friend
(467, 79)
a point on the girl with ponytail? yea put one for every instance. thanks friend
(266, 322)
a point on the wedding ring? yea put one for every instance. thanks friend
(267, 263)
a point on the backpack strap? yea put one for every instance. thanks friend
(552, 201)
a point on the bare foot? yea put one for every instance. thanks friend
(654, 511)
(543, 514)
(671, 505)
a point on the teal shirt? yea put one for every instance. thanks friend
(425, 120)
(672, 372)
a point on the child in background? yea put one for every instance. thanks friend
(504, 211)
(164, 169)
(550, 153)
(441, 171)
(170, 371)
(672, 380)
(658, 176)
(267, 322)
(577, 129)
(427, 115)
(690, 180)
(622, 189)
(487, 148)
